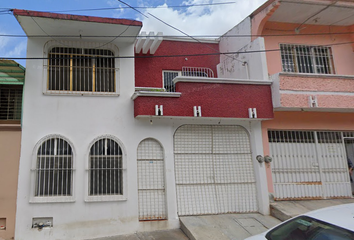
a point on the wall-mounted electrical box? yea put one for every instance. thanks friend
(42, 222)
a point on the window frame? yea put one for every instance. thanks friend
(82, 45)
(311, 56)
(51, 199)
(106, 198)
(179, 73)
(18, 89)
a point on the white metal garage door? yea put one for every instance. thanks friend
(309, 164)
(214, 170)
(151, 181)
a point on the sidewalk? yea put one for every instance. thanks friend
(284, 210)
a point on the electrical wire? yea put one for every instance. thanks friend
(177, 55)
(180, 36)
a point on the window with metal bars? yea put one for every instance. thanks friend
(105, 168)
(54, 168)
(10, 102)
(168, 77)
(306, 59)
(81, 70)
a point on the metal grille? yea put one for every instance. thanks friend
(81, 70)
(306, 59)
(105, 168)
(197, 72)
(168, 83)
(214, 170)
(151, 181)
(54, 168)
(10, 102)
(168, 76)
(308, 165)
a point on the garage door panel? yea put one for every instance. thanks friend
(338, 190)
(236, 137)
(297, 191)
(237, 198)
(193, 139)
(308, 164)
(196, 199)
(233, 168)
(220, 180)
(194, 168)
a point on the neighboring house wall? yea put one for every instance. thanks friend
(343, 56)
(240, 64)
(304, 121)
(10, 139)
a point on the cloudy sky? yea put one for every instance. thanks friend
(193, 20)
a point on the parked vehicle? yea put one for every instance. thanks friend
(331, 223)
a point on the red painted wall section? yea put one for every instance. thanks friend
(148, 68)
(216, 100)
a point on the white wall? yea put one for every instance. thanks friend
(240, 65)
(81, 119)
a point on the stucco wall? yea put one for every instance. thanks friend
(304, 121)
(81, 119)
(343, 55)
(9, 161)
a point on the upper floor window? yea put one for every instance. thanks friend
(105, 168)
(81, 70)
(54, 168)
(168, 77)
(306, 59)
(10, 102)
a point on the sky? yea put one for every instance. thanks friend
(193, 20)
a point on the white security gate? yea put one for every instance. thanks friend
(309, 164)
(214, 170)
(151, 181)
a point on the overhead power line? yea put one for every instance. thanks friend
(176, 55)
(180, 36)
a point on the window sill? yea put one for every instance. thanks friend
(68, 93)
(52, 199)
(119, 198)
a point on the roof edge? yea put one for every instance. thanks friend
(82, 18)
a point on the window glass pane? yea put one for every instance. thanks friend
(306, 228)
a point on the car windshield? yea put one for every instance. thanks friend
(307, 228)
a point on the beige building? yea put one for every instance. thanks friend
(11, 85)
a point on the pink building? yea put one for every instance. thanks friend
(307, 51)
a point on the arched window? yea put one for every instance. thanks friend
(105, 168)
(54, 168)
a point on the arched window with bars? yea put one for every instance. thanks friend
(54, 168)
(105, 168)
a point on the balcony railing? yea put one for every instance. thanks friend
(168, 76)
(197, 72)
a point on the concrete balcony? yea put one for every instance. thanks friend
(313, 92)
(207, 98)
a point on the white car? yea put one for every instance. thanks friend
(331, 223)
